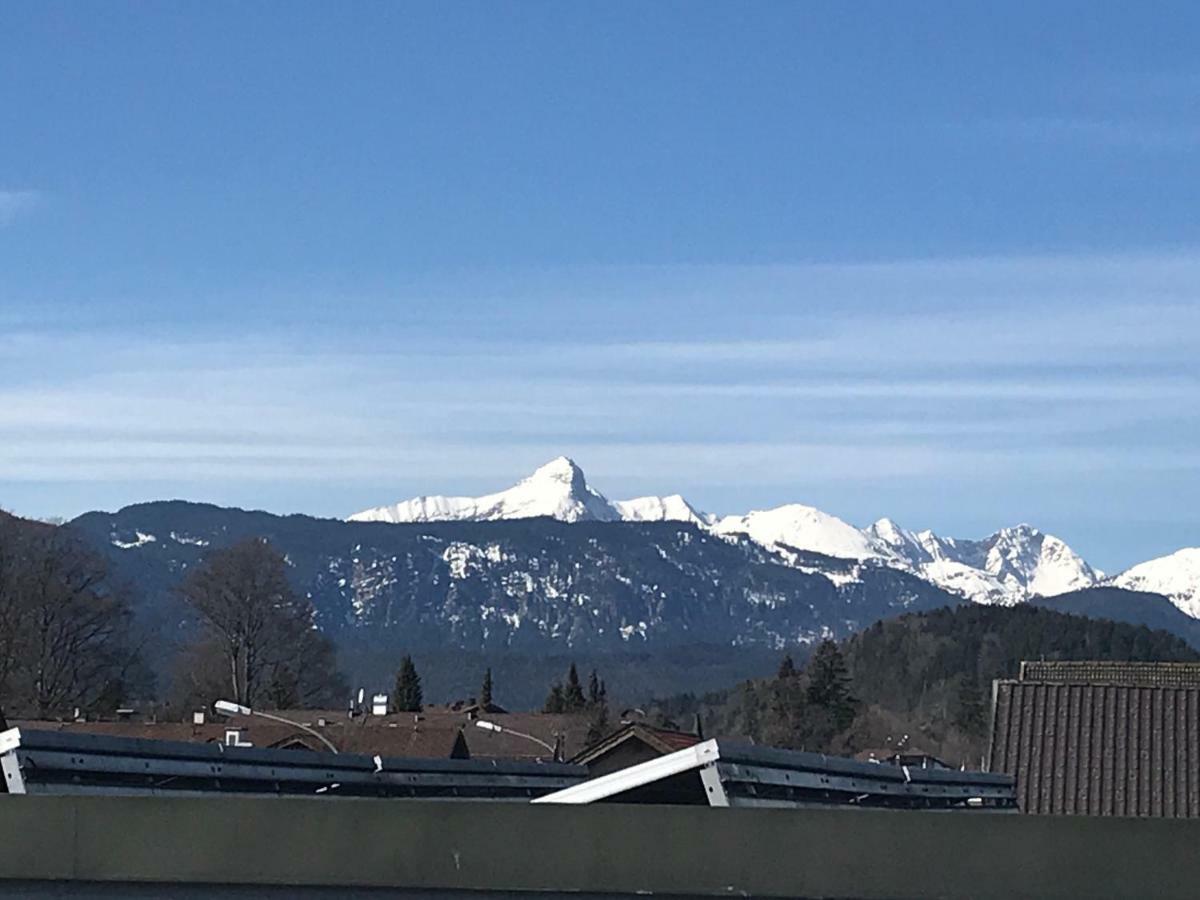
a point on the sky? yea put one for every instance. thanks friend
(934, 261)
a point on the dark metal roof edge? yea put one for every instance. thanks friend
(801, 760)
(34, 739)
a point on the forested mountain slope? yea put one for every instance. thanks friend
(921, 681)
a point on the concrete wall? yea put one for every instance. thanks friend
(615, 848)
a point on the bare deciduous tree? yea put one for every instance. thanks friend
(64, 633)
(261, 633)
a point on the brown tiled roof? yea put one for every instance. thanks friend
(1134, 674)
(572, 727)
(430, 734)
(661, 739)
(1099, 749)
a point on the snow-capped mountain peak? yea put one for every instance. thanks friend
(660, 509)
(914, 548)
(804, 528)
(1024, 558)
(561, 469)
(1006, 567)
(1176, 576)
(558, 489)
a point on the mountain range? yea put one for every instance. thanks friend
(661, 596)
(1010, 566)
(659, 606)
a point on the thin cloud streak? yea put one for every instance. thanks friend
(1011, 382)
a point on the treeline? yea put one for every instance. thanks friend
(568, 697)
(922, 681)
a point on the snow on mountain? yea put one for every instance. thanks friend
(1006, 567)
(913, 547)
(804, 528)
(659, 509)
(558, 489)
(1176, 576)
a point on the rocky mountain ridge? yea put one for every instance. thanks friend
(1009, 566)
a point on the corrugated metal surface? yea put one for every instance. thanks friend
(1099, 749)
(51, 762)
(1133, 674)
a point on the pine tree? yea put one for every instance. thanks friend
(598, 705)
(787, 668)
(554, 700)
(970, 714)
(573, 699)
(407, 696)
(829, 684)
(785, 712)
(485, 692)
(750, 723)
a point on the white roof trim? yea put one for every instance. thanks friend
(614, 783)
(10, 740)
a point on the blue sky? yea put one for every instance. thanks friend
(934, 261)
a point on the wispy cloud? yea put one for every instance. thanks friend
(14, 204)
(869, 390)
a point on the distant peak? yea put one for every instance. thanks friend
(561, 468)
(1024, 528)
(562, 471)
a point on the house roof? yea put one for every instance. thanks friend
(1133, 674)
(432, 734)
(1099, 749)
(660, 739)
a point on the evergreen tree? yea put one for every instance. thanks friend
(554, 700)
(593, 689)
(784, 723)
(485, 692)
(970, 714)
(787, 668)
(407, 696)
(829, 684)
(598, 724)
(573, 699)
(750, 722)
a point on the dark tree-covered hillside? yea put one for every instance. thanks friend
(918, 682)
